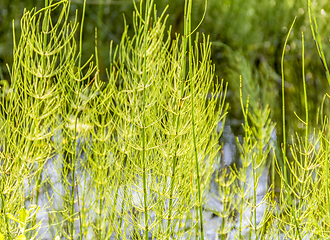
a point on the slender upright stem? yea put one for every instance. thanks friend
(245, 111)
(45, 30)
(302, 186)
(144, 175)
(286, 183)
(75, 144)
(187, 23)
(175, 157)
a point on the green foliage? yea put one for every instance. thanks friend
(24, 218)
(133, 155)
(122, 150)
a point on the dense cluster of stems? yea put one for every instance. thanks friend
(132, 156)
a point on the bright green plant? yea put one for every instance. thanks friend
(300, 210)
(22, 221)
(134, 154)
(158, 105)
(238, 186)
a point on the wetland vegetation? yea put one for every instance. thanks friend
(125, 139)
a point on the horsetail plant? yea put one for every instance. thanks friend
(132, 156)
(153, 102)
(127, 139)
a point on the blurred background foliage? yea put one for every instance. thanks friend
(247, 36)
